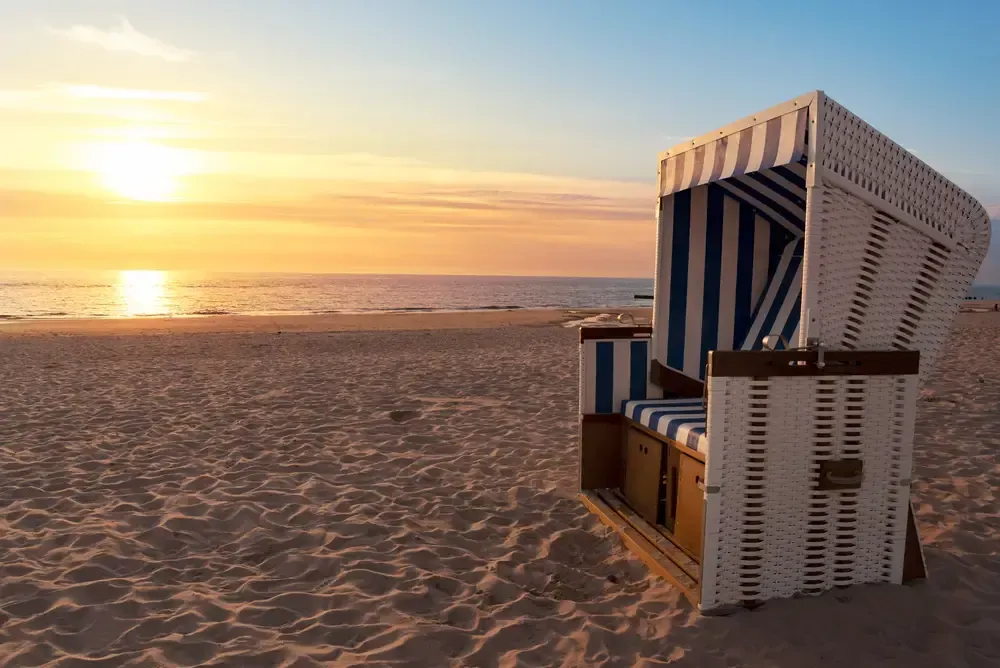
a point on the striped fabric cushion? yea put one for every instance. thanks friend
(681, 420)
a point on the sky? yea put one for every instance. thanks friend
(431, 136)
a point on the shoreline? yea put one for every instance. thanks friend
(332, 322)
(362, 322)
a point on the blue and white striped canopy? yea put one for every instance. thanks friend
(777, 141)
(730, 243)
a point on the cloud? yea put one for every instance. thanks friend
(56, 100)
(103, 93)
(125, 39)
(501, 211)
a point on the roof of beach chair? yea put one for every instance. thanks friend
(734, 261)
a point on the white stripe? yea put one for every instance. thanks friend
(588, 390)
(757, 144)
(706, 168)
(661, 286)
(794, 341)
(782, 201)
(786, 309)
(732, 153)
(727, 284)
(647, 415)
(696, 282)
(750, 199)
(688, 177)
(788, 185)
(800, 133)
(788, 140)
(797, 169)
(772, 292)
(669, 167)
(761, 258)
(622, 355)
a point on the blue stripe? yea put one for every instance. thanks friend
(639, 363)
(743, 317)
(605, 377)
(791, 176)
(676, 423)
(713, 275)
(793, 321)
(783, 288)
(776, 248)
(654, 419)
(694, 435)
(799, 196)
(676, 319)
(634, 409)
(796, 220)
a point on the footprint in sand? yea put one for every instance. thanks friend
(403, 416)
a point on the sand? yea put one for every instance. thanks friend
(178, 497)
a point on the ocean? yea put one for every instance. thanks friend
(117, 294)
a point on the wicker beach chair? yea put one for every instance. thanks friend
(756, 441)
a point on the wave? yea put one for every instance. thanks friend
(211, 311)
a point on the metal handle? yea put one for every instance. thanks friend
(845, 480)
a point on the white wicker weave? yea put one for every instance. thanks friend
(891, 245)
(768, 532)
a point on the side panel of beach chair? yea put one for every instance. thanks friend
(892, 246)
(614, 368)
(771, 528)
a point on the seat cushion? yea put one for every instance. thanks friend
(681, 420)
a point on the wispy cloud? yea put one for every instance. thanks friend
(132, 104)
(103, 93)
(124, 38)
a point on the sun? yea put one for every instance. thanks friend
(139, 170)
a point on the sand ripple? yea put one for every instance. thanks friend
(401, 498)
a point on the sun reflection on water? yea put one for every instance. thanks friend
(143, 292)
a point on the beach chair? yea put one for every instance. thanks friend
(756, 441)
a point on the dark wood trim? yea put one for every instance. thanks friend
(633, 332)
(913, 555)
(674, 382)
(680, 447)
(767, 363)
(639, 545)
(605, 418)
(656, 535)
(601, 443)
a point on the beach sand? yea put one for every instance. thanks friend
(209, 492)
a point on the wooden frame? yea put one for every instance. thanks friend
(672, 551)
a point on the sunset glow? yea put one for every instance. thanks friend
(139, 170)
(398, 137)
(143, 292)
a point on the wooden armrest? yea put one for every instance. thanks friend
(766, 363)
(674, 382)
(632, 332)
